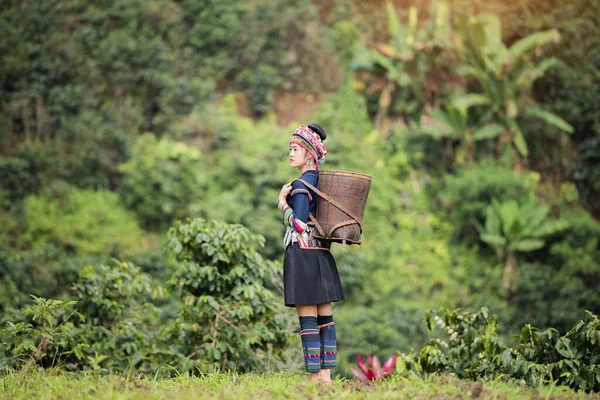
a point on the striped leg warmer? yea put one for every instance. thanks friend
(311, 345)
(328, 341)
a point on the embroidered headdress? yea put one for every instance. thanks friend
(310, 141)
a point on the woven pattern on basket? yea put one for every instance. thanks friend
(351, 191)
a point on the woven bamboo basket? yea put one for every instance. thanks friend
(341, 205)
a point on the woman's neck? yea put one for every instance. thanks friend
(305, 168)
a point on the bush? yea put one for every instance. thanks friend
(87, 158)
(470, 348)
(115, 329)
(469, 192)
(229, 320)
(161, 180)
(586, 171)
(39, 336)
(47, 272)
(104, 294)
(82, 221)
(558, 283)
(22, 174)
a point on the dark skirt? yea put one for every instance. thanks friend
(310, 277)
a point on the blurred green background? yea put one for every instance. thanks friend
(478, 121)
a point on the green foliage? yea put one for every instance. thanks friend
(470, 348)
(115, 331)
(90, 162)
(229, 320)
(455, 123)
(410, 263)
(506, 74)
(120, 324)
(567, 88)
(409, 59)
(161, 180)
(244, 170)
(20, 175)
(586, 171)
(45, 272)
(512, 228)
(570, 270)
(259, 84)
(232, 321)
(80, 220)
(150, 62)
(24, 344)
(105, 293)
(467, 194)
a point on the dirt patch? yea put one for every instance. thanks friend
(295, 107)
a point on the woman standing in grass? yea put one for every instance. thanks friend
(310, 275)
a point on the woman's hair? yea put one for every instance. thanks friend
(318, 129)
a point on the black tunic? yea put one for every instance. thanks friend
(309, 276)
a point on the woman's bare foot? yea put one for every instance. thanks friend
(325, 375)
(314, 376)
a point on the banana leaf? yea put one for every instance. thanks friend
(549, 118)
(470, 100)
(528, 244)
(518, 138)
(520, 47)
(488, 131)
(394, 25)
(494, 240)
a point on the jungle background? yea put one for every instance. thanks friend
(119, 120)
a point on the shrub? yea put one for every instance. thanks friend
(48, 272)
(115, 330)
(470, 348)
(161, 180)
(558, 283)
(229, 320)
(586, 171)
(21, 174)
(121, 325)
(39, 336)
(80, 220)
(105, 293)
(467, 194)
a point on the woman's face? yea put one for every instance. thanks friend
(298, 156)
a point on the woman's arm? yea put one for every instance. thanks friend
(296, 216)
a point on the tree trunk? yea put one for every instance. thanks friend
(510, 269)
(468, 149)
(37, 356)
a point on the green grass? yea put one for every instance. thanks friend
(266, 386)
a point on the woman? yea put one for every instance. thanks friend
(311, 279)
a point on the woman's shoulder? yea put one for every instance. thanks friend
(311, 176)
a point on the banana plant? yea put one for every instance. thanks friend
(506, 74)
(455, 123)
(512, 228)
(406, 60)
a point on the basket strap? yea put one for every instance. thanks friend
(317, 225)
(332, 202)
(348, 222)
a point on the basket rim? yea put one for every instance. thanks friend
(348, 173)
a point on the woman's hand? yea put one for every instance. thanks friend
(285, 190)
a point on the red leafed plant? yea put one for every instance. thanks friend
(375, 372)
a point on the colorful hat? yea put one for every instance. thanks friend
(311, 142)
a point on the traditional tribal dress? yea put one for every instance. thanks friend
(310, 275)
